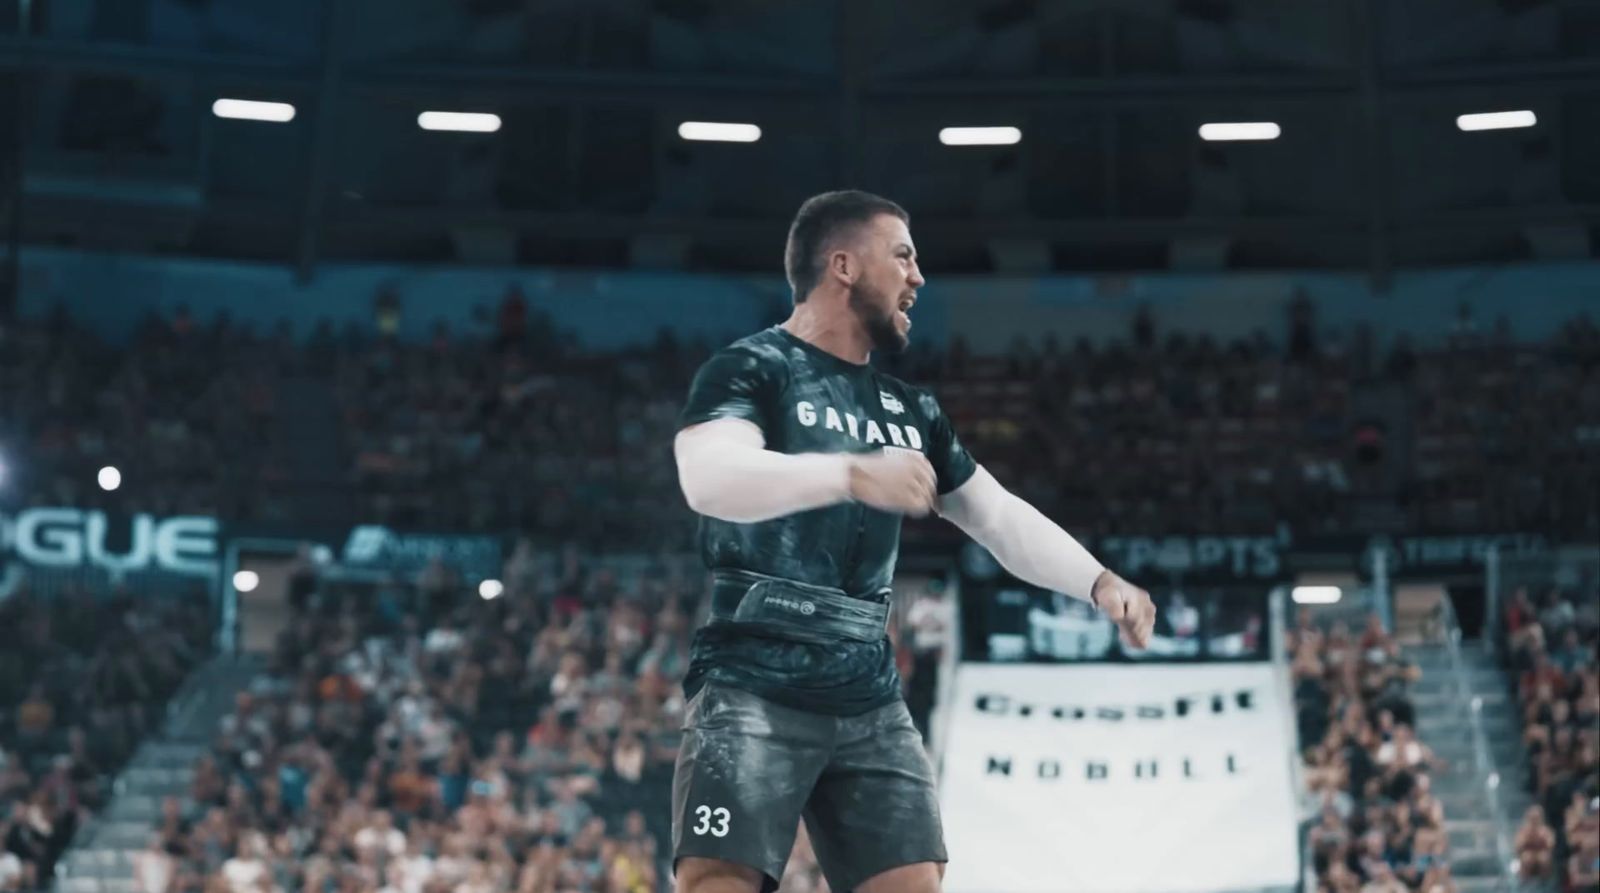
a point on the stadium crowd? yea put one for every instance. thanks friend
(1380, 828)
(1246, 434)
(417, 744)
(408, 741)
(191, 410)
(423, 740)
(436, 428)
(1551, 647)
(82, 680)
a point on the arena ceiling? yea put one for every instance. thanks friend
(110, 104)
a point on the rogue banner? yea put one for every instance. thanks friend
(67, 538)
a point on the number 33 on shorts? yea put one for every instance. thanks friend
(712, 821)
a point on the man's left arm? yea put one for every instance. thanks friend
(1035, 549)
(1026, 543)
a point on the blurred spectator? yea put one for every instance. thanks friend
(1381, 828)
(175, 402)
(1403, 752)
(1555, 674)
(378, 753)
(1383, 880)
(1246, 435)
(81, 680)
(1535, 845)
(930, 621)
(1583, 869)
(386, 312)
(512, 322)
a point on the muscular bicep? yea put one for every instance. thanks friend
(727, 431)
(726, 472)
(702, 449)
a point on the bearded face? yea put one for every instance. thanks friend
(877, 311)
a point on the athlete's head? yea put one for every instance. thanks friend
(859, 245)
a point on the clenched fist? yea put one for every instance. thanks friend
(1126, 605)
(894, 480)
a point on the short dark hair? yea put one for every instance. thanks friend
(818, 222)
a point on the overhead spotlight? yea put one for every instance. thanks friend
(1237, 131)
(110, 478)
(718, 132)
(1497, 120)
(489, 590)
(980, 136)
(251, 110)
(462, 122)
(246, 581)
(1316, 595)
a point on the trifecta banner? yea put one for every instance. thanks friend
(1119, 779)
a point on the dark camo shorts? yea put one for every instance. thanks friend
(749, 770)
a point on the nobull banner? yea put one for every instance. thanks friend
(1099, 779)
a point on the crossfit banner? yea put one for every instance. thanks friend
(1118, 779)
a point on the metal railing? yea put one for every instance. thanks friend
(1483, 763)
(1278, 627)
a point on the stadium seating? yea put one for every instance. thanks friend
(82, 680)
(1243, 436)
(530, 738)
(1379, 824)
(1549, 654)
(523, 741)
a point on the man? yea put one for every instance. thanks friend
(802, 460)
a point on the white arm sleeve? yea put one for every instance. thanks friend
(726, 472)
(1026, 543)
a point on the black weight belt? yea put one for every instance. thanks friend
(798, 611)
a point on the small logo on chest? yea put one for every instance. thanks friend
(891, 402)
(865, 430)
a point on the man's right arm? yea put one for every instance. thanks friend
(727, 472)
(724, 468)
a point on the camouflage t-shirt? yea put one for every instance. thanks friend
(806, 400)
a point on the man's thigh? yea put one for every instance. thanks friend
(745, 769)
(876, 807)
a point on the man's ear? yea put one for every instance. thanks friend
(842, 266)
